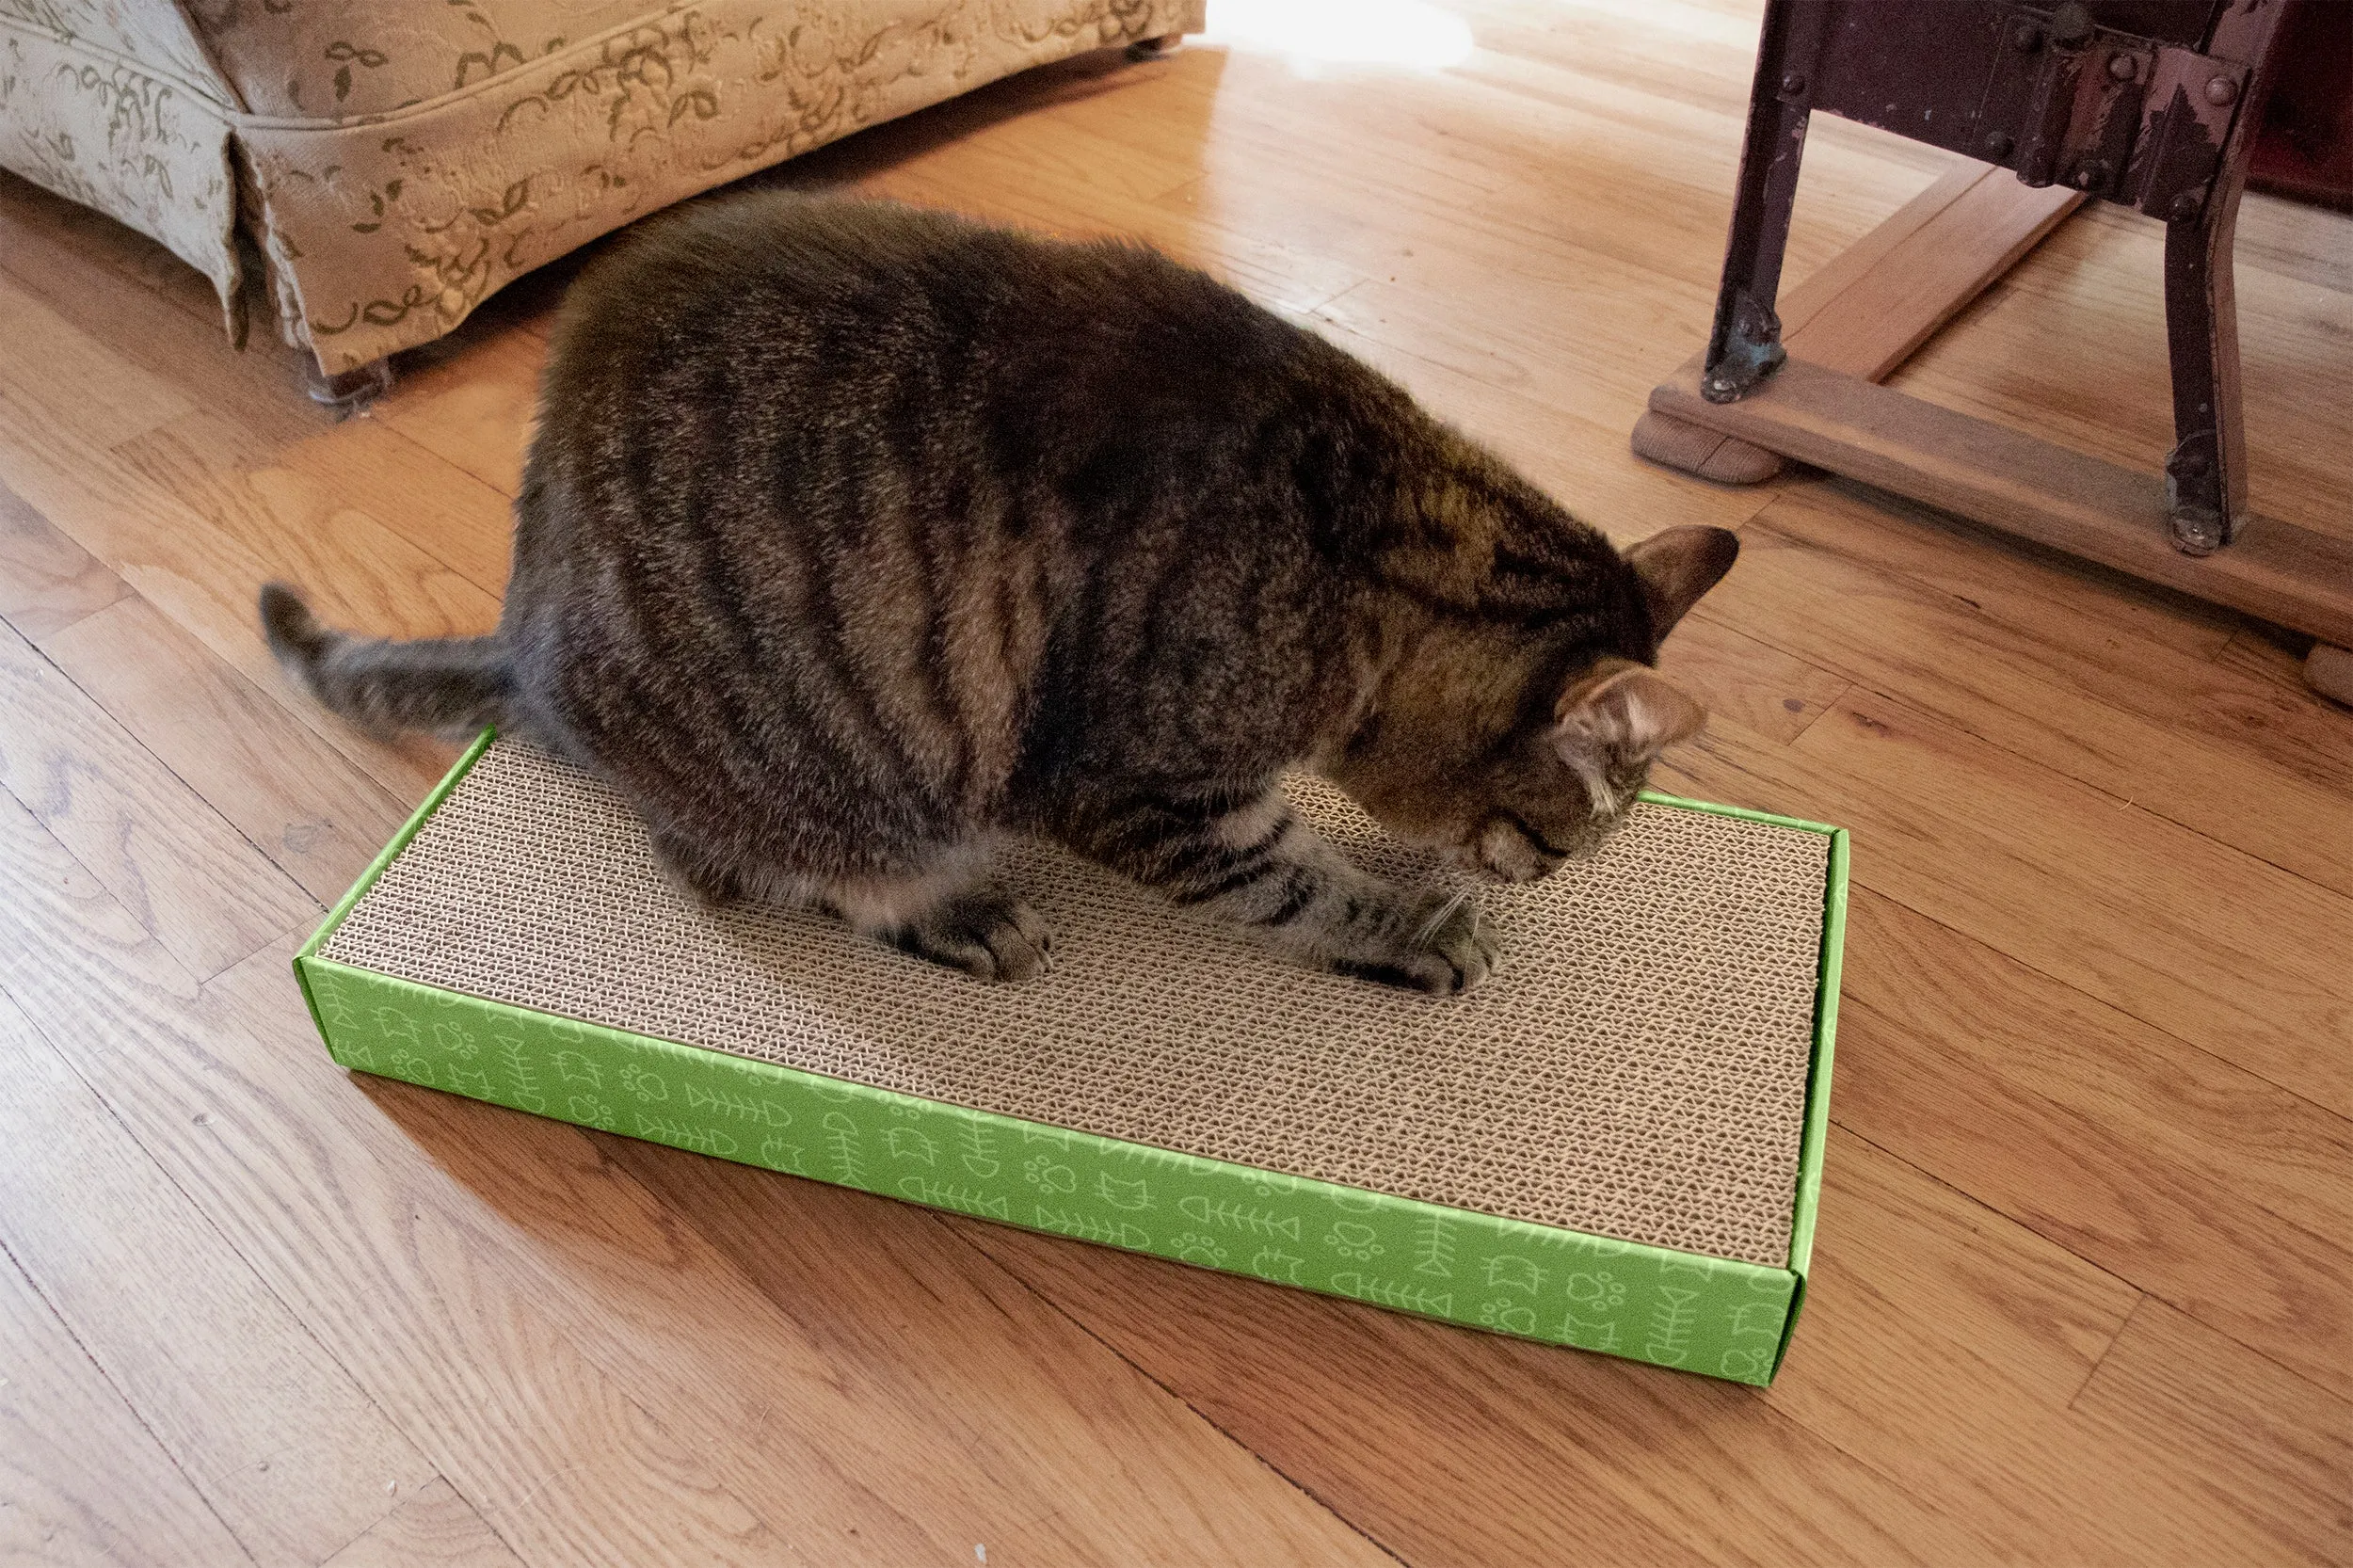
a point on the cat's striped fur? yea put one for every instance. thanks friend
(854, 538)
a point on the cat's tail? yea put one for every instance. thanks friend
(454, 685)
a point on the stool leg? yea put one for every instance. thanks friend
(2205, 475)
(1744, 345)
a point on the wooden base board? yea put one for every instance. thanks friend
(1867, 310)
(2033, 488)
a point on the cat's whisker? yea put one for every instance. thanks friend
(1430, 926)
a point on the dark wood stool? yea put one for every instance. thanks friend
(2151, 103)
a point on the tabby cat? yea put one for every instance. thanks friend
(854, 538)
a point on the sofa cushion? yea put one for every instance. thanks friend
(151, 35)
(380, 235)
(343, 59)
(144, 145)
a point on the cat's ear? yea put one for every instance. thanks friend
(1623, 713)
(1678, 565)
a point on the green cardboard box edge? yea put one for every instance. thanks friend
(1718, 1317)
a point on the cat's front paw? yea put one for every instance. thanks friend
(989, 934)
(1446, 947)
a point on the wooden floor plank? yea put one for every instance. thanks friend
(2191, 1179)
(47, 581)
(288, 1452)
(259, 391)
(2131, 645)
(1588, 466)
(71, 378)
(1564, 338)
(1953, 1343)
(82, 1484)
(2019, 1320)
(2080, 1281)
(1768, 692)
(1278, 275)
(308, 533)
(426, 501)
(2097, 629)
(1085, 161)
(1958, 1342)
(1017, 1378)
(433, 1528)
(2266, 1449)
(453, 1347)
(473, 408)
(2101, 894)
(948, 159)
(1568, 156)
(1968, 665)
(1421, 1432)
(205, 891)
(444, 511)
(872, 1467)
(171, 552)
(310, 810)
(66, 238)
(168, 335)
(2127, 906)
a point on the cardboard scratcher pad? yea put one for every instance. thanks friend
(1636, 1069)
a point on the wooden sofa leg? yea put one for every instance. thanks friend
(350, 389)
(1156, 48)
(2329, 670)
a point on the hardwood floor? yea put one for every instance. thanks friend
(2084, 1288)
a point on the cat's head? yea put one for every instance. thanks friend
(1507, 762)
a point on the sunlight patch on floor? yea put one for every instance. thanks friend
(1317, 34)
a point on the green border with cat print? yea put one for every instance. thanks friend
(1718, 1317)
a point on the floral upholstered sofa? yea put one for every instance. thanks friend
(387, 163)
